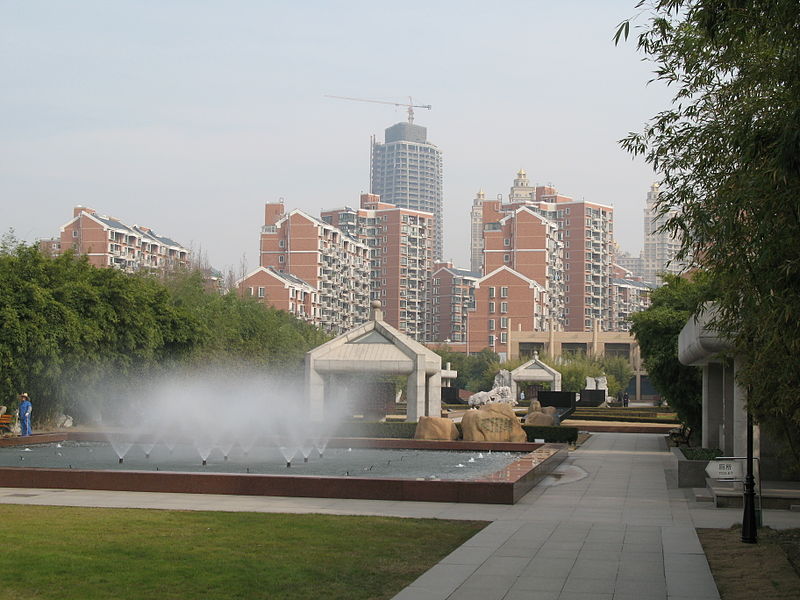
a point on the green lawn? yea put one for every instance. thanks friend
(87, 553)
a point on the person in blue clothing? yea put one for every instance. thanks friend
(25, 408)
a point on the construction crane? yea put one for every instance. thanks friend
(410, 106)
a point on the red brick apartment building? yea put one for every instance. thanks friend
(108, 242)
(400, 242)
(505, 301)
(283, 290)
(568, 250)
(453, 300)
(327, 267)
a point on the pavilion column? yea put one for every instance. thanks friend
(315, 391)
(434, 395)
(415, 391)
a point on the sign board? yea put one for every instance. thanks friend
(724, 469)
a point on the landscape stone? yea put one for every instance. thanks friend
(436, 428)
(540, 419)
(493, 422)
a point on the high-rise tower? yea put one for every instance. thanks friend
(406, 171)
(660, 248)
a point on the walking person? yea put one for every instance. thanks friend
(25, 409)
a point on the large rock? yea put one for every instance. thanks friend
(535, 406)
(436, 428)
(540, 419)
(494, 422)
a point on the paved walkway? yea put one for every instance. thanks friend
(611, 526)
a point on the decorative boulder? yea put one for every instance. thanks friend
(541, 419)
(479, 399)
(64, 421)
(436, 428)
(535, 406)
(494, 422)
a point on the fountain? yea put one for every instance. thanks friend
(181, 423)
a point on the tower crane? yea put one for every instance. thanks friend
(410, 106)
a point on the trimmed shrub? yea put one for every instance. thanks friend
(701, 453)
(400, 429)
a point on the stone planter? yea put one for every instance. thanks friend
(691, 473)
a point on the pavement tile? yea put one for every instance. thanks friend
(444, 577)
(547, 584)
(698, 586)
(641, 587)
(584, 596)
(468, 555)
(420, 593)
(481, 581)
(508, 566)
(466, 592)
(531, 595)
(585, 585)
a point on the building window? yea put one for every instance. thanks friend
(281, 258)
(249, 291)
(491, 340)
(262, 292)
(504, 291)
(504, 307)
(491, 307)
(491, 324)
(506, 258)
(506, 242)
(74, 233)
(503, 322)
(282, 243)
(503, 337)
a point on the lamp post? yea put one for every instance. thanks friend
(749, 527)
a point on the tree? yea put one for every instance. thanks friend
(728, 154)
(657, 329)
(72, 333)
(475, 371)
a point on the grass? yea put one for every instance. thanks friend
(747, 571)
(92, 553)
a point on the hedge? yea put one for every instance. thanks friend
(397, 429)
(403, 430)
(623, 419)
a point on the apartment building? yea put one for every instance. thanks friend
(660, 248)
(108, 242)
(628, 296)
(281, 290)
(400, 243)
(453, 295)
(331, 262)
(527, 242)
(578, 233)
(406, 171)
(505, 300)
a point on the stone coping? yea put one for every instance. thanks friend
(505, 486)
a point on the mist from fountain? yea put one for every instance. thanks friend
(218, 409)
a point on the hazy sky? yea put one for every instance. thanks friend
(187, 116)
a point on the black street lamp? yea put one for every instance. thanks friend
(749, 526)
